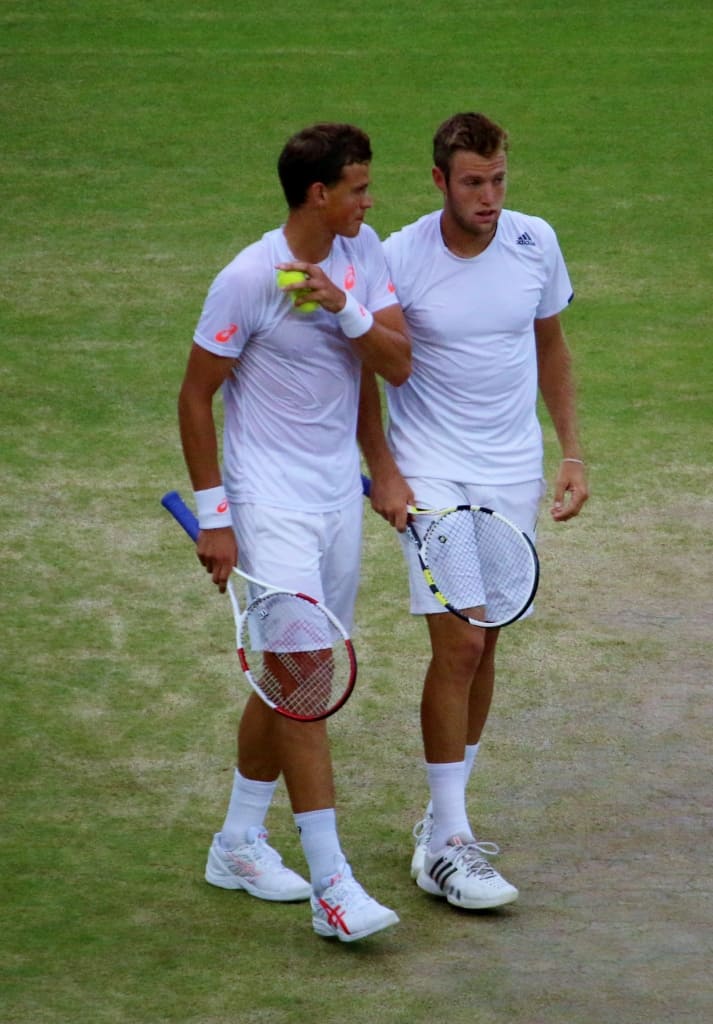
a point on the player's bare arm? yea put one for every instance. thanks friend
(385, 348)
(205, 372)
(390, 494)
(556, 381)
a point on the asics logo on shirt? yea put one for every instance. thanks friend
(227, 334)
(525, 239)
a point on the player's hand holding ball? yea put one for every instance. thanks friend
(288, 277)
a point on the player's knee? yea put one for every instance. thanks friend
(462, 655)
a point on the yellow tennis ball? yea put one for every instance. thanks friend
(292, 277)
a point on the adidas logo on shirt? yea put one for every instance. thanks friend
(525, 239)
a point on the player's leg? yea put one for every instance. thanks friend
(454, 865)
(239, 856)
(341, 908)
(460, 871)
(307, 767)
(456, 650)
(481, 690)
(323, 553)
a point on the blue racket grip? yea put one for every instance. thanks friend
(174, 503)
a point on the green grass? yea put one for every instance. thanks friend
(138, 154)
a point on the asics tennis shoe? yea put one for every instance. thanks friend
(422, 832)
(255, 867)
(345, 911)
(461, 873)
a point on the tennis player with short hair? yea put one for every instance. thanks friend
(482, 288)
(289, 498)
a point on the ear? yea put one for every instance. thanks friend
(317, 193)
(439, 180)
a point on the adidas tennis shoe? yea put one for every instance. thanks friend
(461, 873)
(345, 911)
(422, 832)
(255, 867)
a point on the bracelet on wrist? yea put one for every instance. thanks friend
(212, 508)
(580, 462)
(354, 319)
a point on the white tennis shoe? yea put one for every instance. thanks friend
(345, 911)
(255, 867)
(461, 873)
(422, 832)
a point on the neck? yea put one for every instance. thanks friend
(308, 241)
(464, 243)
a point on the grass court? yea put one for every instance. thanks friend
(138, 155)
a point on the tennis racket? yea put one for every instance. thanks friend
(295, 653)
(477, 563)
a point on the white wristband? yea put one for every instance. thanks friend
(213, 508)
(354, 319)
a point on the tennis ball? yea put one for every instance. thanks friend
(292, 277)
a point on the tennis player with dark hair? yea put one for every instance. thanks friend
(288, 501)
(482, 288)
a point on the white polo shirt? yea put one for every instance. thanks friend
(291, 403)
(468, 411)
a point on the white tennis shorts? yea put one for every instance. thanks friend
(317, 553)
(520, 503)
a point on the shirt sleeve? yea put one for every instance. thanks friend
(225, 321)
(557, 292)
(381, 291)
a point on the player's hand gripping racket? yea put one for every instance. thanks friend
(295, 653)
(477, 563)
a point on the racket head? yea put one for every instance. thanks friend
(296, 655)
(479, 565)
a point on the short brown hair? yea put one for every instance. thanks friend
(320, 153)
(474, 133)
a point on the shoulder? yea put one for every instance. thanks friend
(525, 231)
(418, 233)
(411, 248)
(364, 245)
(253, 266)
(367, 236)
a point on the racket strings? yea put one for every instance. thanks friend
(478, 560)
(295, 684)
(295, 655)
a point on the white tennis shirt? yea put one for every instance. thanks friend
(468, 411)
(291, 403)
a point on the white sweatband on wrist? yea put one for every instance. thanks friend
(213, 509)
(354, 319)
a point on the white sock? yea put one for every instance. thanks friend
(320, 842)
(448, 799)
(471, 752)
(249, 802)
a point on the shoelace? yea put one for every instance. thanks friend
(262, 851)
(471, 858)
(422, 830)
(347, 892)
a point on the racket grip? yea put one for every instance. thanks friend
(365, 485)
(174, 503)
